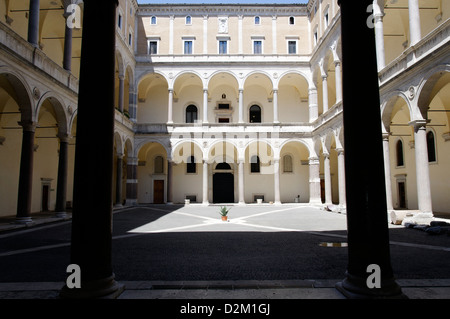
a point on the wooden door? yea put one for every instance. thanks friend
(158, 192)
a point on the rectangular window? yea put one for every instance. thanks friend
(257, 47)
(191, 166)
(292, 47)
(223, 47)
(119, 21)
(188, 46)
(223, 106)
(153, 47)
(130, 39)
(224, 120)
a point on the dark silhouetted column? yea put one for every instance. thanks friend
(26, 174)
(67, 60)
(33, 23)
(61, 188)
(368, 236)
(119, 176)
(93, 180)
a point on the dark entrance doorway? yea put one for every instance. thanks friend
(223, 185)
(402, 195)
(158, 192)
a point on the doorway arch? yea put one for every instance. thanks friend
(223, 183)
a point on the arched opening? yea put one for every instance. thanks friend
(152, 168)
(255, 114)
(294, 173)
(191, 114)
(223, 184)
(15, 106)
(399, 154)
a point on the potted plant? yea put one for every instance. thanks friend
(224, 213)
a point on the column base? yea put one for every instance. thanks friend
(131, 202)
(23, 220)
(205, 204)
(356, 288)
(60, 215)
(106, 288)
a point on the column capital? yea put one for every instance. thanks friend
(63, 137)
(28, 126)
(418, 124)
(340, 151)
(386, 136)
(314, 161)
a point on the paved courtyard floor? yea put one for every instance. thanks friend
(262, 251)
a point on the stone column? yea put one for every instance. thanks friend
(327, 171)
(379, 34)
(170, 108)
(132, 181)
(241, 183)
(338, 74)
(422, 167)
(341, 172)
(67, 60)
(387, 171)
(325, 93)
(205, 106)
(119, 176)
(205, 183)
(314, 181)
(276, 169)
(275, 106)
(121, 92)
(92, 196)
(414, 22)
(367, 227)
(241, 106)
(61, 188)
(313, 105)
(33, 23)
(132, 105)
(169, 182)
(26, 174)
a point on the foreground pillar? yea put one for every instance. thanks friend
(368, 236)
(92, 195)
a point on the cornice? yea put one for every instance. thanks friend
(220, 9)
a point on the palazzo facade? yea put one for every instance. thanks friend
(223, 103)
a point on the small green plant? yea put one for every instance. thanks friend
(224, 210)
